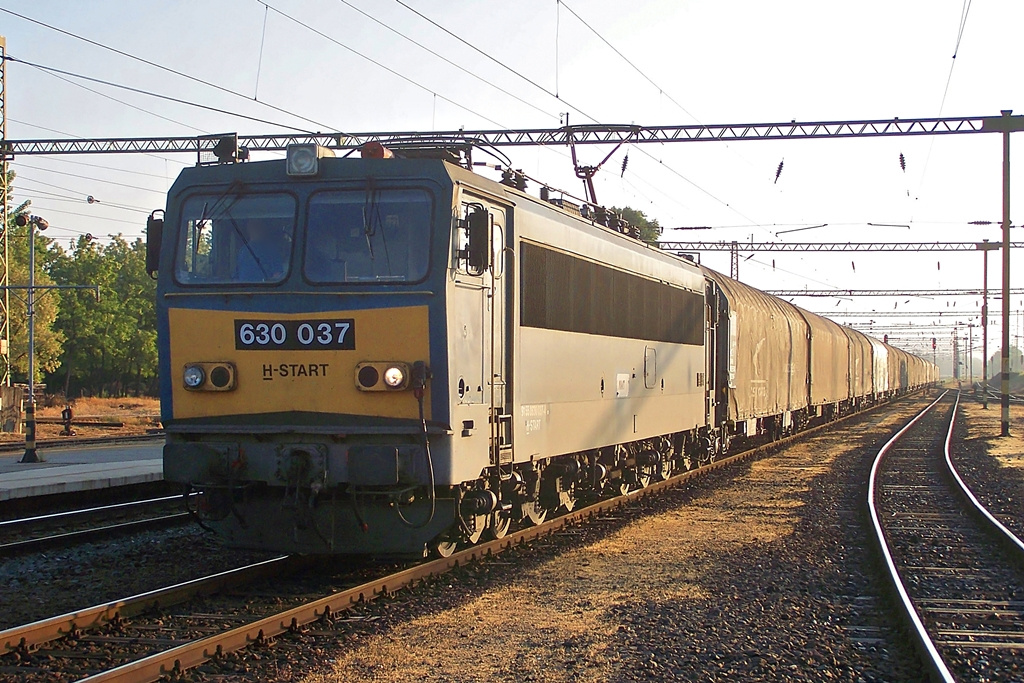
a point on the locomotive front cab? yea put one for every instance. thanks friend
(301, 317)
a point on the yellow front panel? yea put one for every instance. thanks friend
(319, 381)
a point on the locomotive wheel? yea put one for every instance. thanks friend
(444, 547)
(618, 487)
(644, 476)
(498, 524)
(664, 469)
(534, 513)
(479, 525)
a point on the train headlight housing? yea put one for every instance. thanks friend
(382, 376)
(210, 376)
(395, 377)
(303, 160)
(194, 376)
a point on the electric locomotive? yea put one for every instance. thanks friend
(393, 355)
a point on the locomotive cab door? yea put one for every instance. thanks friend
(482, 304)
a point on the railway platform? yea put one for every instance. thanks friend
(73, 469)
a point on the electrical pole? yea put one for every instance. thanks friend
(985, 248)
(32, 222)
(970, 352)
(1005, 124)
(956, 357)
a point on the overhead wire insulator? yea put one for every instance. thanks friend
(778, 171)
(903, 162)
(625, 162)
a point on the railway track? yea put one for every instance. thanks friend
(127, 641)
(956, 569)
(39, 532)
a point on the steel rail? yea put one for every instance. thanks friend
(19, 446)
(85, 511)
(29, 544)
(38, 633)
(1004, 533)
(921, 638)
(190, 655)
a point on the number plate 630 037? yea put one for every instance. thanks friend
(295, 335)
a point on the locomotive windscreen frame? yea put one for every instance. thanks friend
(563, 292)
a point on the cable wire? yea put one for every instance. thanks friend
(661, 91)
(166, 68)
(446, 60)
(122, 102)
(557, 96)
(150, 93)
(379, 64)
(85, 177)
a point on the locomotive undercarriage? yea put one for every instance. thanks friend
(303, 512)
(530, 492)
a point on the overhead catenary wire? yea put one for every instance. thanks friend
(168, 69)
(446, 60)
(373, 61)
(89, 178)
(57, 197)
(105, 168)
(661, 91)
(965, 10)
(561, 99)
(85, 215)
(151, 93)
(122, 102)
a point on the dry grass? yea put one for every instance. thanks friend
(986, 425)
(122, 409)
(138, 415)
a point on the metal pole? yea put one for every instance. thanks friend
(30, 408)
(970, 352)
(1005, 419)
(984, 330)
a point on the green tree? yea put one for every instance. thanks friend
(650, 229)
(110, 344)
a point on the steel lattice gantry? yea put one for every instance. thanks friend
(826, 246)
(883, 292)
(566, 135)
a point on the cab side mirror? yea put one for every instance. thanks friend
(478, 233)
(154, 235)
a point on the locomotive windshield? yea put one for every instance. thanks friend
(370, 235)
(236, 238)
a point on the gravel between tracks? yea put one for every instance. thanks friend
(39, 585)
(760, 573)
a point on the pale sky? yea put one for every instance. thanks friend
(712, 62)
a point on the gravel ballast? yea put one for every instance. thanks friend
(757, 573)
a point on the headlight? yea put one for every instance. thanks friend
(193, 376)
(304, 159)
(394, 377)
(382, 375)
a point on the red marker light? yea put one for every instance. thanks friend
(375, 150)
